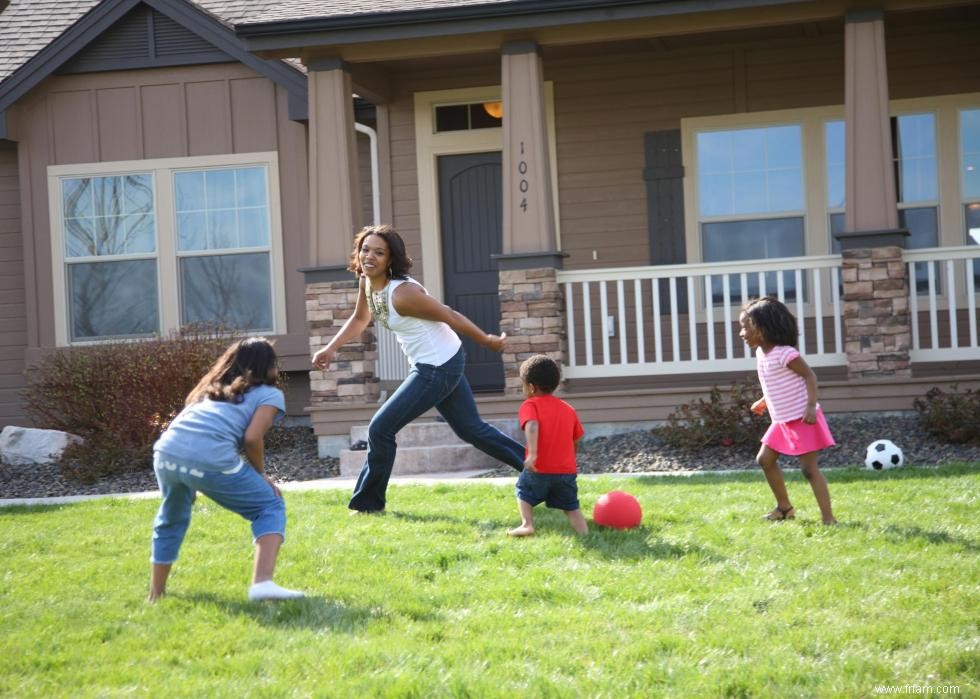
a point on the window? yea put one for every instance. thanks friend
(465, 117)
(970, 163)
(110, 256)
(750, 198)
(917, 185)
(143, 251)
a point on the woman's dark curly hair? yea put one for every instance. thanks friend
(771, 317)
(400, 261)
(542, 372)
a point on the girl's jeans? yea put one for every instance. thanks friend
(447, 390)
(241, 490)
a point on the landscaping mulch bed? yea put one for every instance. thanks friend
(291, 455)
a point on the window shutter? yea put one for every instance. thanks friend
(664, 175)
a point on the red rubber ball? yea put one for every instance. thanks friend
(618, 510)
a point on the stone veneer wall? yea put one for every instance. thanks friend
(531, 309)
(877, 329)
(351, 377)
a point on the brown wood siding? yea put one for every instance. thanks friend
(13, 311)
(932, 54)
(179, 112)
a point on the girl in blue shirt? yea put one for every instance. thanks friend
(229, 411)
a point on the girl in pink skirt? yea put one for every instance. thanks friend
(789, 392)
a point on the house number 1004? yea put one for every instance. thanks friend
(523, 183)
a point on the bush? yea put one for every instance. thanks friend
(952, 417)
(119, 396)
(723, 419)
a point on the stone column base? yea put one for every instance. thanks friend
(877, 326)
(351, 378)
(531, 305)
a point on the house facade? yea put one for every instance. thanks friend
(607, 182)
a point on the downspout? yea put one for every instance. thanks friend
(375, 191)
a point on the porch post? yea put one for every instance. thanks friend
(531, 302)
(335, 216)
(877, 329)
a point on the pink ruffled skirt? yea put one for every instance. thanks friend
(797, 437)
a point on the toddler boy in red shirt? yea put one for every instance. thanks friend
(553, 431)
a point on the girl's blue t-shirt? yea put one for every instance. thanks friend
(209, 434)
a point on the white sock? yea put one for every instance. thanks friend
(269, 590)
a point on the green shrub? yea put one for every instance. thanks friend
(119, 396)
(952, 416)
(723, 418)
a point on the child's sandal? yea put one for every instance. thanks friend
(779, 514)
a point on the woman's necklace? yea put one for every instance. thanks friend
(377, 303)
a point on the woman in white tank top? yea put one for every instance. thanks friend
(428, 332)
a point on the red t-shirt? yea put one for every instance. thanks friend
(558, 430)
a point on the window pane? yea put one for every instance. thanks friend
(189, 191)
(79, 237)
(837, 223)
(917, 180)
(138, 194)
(749, 150)
(253, 228)
(714, 152)
(970, 146)
(915, 152)
(77, 197)
(222, 230)
(95, 222)
(230, 289)
(749, 192)
(923, 233)
(973, 237)
(750, 171)
(715, 194)
(140, 234)
(749, 240)
(108, 196)
(192, 232)
(785, 190)
(481, 119)
(112, 299)
(219, 189)
(783, 147)
(250, 186)
(452, 118)
(834, 149)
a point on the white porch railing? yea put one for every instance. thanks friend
(655, 320)
(943, 303)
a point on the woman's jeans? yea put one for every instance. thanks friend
(241, 490)
(447, 390)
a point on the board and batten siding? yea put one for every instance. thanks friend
(13, 309)
(162, 113)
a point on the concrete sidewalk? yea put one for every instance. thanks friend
(456, 477)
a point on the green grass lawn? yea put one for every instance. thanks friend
(433, 599)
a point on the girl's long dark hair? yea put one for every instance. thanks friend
(776, 322)
(400, 261)
(244, 364)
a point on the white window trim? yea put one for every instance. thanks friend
(161, 169)
(430, 145)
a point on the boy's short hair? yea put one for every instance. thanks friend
(542, 372)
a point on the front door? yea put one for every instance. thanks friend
(471, 214)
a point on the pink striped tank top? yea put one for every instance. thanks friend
(783, 389)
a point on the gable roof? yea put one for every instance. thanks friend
(39, 36)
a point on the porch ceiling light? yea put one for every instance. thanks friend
(494, 109)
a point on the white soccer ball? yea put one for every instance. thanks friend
(883, 454)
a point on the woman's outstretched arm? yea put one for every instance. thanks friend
(354, 327)
(411, 300)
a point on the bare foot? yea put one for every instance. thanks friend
(523, 530)
(830, 522)
(153, 597)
